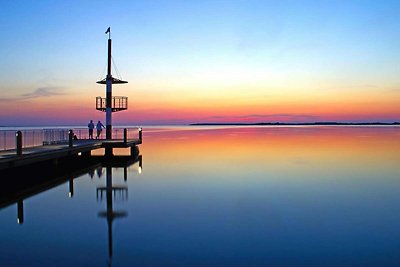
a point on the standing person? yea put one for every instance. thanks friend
(91, 127)
(99, 127)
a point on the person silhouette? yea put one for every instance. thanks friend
(91, 173)
(91, 127)
(99, 128)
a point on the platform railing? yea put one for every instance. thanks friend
(118, 103)
(39, 137)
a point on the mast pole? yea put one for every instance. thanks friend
(109, 96)
(108, 106)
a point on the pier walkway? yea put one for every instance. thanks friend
(10, 158)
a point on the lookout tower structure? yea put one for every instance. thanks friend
(110, 103)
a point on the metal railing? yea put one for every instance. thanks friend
(30, 138)
(117, 133)
(55, 136)
(117, 103)
(39, 137)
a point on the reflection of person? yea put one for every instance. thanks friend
(99, 127)
(91, 127)
(91, 173)
(99, 172)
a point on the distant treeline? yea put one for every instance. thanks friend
(295, 123)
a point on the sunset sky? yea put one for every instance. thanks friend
(201, 61)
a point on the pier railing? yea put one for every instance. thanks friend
(30, 138)
(39, 137)
(55, 136)
(117, 133)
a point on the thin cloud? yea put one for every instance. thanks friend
(43, 92)
(37, 93)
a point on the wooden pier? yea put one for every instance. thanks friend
(26, 156)
(53, 150)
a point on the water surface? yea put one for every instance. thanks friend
(223, 196)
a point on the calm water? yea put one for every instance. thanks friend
(249, 196)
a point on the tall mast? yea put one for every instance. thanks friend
(109, 90)
(110, 104)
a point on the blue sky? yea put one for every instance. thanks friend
(202, 45)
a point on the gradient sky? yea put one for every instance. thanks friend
(201, 61)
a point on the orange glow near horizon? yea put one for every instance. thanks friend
(174, 105)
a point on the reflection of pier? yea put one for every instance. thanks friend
(20, 184)
(28, 182)
(35, 180)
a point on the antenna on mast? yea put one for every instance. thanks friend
(109, 33)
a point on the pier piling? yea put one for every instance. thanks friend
(18, 141)
(70, 138)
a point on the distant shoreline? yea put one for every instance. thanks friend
(230, 124)
(297, 124)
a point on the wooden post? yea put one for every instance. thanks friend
(18, 141)
(125, 135)
(140, 133)
(70, 138)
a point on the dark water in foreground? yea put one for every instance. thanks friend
(250, 196)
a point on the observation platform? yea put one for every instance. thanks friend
(118, 103)
(113, 80)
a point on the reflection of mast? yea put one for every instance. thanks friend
(110, 214)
